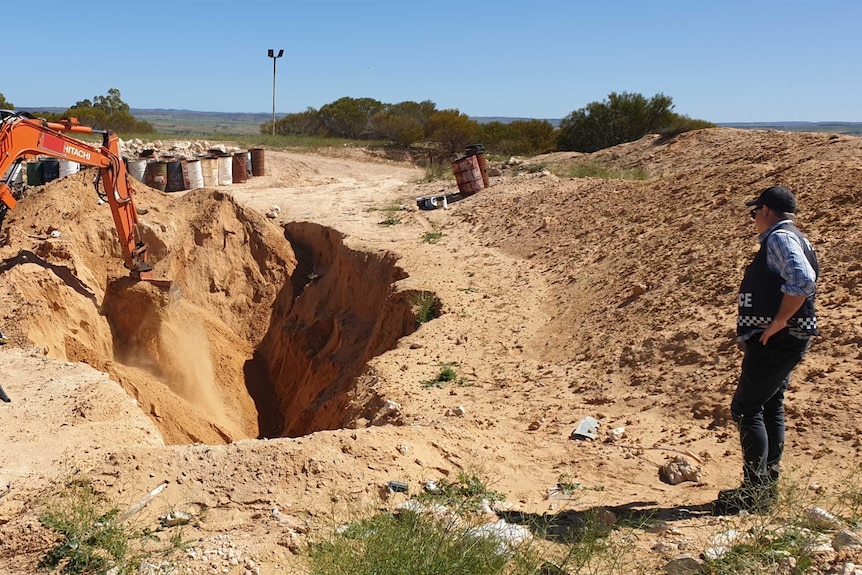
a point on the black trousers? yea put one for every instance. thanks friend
(758, 404)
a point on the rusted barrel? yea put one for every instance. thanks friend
(468, 175)
(175, 181)
(478, 150)
(257, 162)
(238, 167)
(156, 175)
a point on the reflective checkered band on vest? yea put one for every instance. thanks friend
(806, 323)
(752, 321)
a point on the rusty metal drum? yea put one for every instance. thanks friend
(468, 175)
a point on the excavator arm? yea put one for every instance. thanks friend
(24, 137)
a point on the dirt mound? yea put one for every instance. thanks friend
(647, 271)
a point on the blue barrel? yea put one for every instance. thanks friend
(50, 170)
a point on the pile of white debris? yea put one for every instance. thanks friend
(180, 149)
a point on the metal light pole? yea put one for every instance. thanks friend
(275, 57)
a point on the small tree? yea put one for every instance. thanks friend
(452, 129)
(111, 103)
(4, 105)
(403, 130)
(620, 118)
(349, 117)
(520, 137)
(108, 112)
(307, 123)
(419, 111)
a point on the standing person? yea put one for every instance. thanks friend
(774, 327)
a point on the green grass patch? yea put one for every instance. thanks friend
(594, 170)
(447, 374)
(425, 306)
(432, 237)
(438, 171)
(454, 540)
(391, 213)
(409, 544)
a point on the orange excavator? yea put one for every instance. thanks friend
(23, 136)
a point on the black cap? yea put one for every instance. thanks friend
(777, 198)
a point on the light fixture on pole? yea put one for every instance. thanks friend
(275, 57)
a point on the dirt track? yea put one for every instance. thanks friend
(560, 299)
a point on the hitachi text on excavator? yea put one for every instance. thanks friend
(23, 136)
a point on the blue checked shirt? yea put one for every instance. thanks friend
(785, 257)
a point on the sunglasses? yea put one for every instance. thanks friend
(754, 211)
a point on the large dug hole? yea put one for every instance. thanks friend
(272, 331)
(280, 363)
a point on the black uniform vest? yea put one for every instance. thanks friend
(760, 294)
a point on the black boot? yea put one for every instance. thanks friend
(754, 498)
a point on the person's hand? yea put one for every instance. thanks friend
(771, 330)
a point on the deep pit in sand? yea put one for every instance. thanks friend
(273, 329)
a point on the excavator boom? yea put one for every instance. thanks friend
(23, 137)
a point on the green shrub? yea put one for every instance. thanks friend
(681, 124)
(438, 171)
(454, 130)
(618, 119)
(409, 544)
(518, 138)
(464, 495)
(426, 306)
(447, 374)
(93, 540)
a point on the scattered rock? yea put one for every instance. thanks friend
(509, 536)
(819, 518)
(456, 411)
(665, 548)
(390, 410)
(845, 539)
(679, 470)
(174, 518)
(684, 565)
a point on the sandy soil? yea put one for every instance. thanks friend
(265, 386)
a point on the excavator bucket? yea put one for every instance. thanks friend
(173, 289)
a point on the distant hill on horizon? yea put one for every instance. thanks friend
(178, 121)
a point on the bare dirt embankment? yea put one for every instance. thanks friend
(560, 299)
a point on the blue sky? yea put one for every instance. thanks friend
(722, 61)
